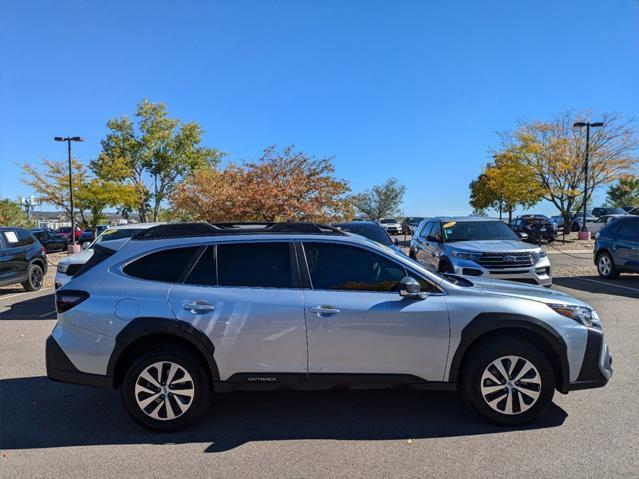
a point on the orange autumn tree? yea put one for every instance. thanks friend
(286, 185)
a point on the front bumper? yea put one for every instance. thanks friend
(539, 274)
(596, 368)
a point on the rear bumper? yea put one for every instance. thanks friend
(596, 368)
(61, 369)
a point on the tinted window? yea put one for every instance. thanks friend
(167, 265)
(426, 230)
(203, 273)
(265, 265)
(367, 230)
(344, 267)
(628, 230)
(436, 232)
(25, 237)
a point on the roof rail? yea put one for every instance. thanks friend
(185, 230)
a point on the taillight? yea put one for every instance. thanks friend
(43, 249)
(67, 299)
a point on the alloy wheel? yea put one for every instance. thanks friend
(605, 266)
(164, 390)
(511, 385)
(36, 277)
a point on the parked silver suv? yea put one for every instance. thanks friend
(182, 311)
(477, 246)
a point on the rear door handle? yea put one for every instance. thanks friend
(325, 310)
(199, 307)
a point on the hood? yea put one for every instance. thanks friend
(492, 246)
(78, 258)
(525, 291)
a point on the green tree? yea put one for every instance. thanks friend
(381, 201)
(91, 195)
(152, 155)
(12, 215)
(506, 183)
(625, 192)
(556, 151)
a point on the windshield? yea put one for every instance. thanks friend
(116, 234)
(388, 220)
(373, 232)
(477, 230)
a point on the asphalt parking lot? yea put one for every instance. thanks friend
(57, 430)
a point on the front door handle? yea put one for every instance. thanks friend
(325, 310)
(199, 307)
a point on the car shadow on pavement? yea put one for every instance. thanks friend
(39, 413)
(40, 307)
(625, 285)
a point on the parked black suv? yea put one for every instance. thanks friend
(537, 227)
(22, 259)
(51, 241)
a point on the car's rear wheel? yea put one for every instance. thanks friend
(35, 278)
(508, 381)
(606, 266)
(446, 267)
(166, 389)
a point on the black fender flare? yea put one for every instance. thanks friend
(485, 323)
(142, 327)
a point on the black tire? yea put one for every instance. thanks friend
(604, 258)
(35, 278)
(574, 227)
(481, 358)
(202, 391)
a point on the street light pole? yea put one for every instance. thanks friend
(588, 125)
(69, 139)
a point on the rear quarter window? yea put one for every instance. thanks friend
(168, 265)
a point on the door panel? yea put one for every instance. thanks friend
(252, 329)
(376, 333)
(358, 322)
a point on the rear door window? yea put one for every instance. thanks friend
(168, 265)
(264, 265)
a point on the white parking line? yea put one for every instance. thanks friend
(607, 284)
(21, 294)
(47, 314)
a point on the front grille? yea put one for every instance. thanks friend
(492, 261)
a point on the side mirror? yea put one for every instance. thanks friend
(410, 288)
(523, 235)
(86, 245)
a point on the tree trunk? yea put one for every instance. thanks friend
(510, 216)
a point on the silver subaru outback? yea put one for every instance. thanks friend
(480, 247)
(184, 311)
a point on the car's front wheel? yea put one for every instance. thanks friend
(606, 266)
(508, 381)
(166, 389)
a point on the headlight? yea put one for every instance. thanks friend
(581, 314)
(62, 267)
(466, 255)
(537, 255)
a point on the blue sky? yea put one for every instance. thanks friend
(415, 90)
